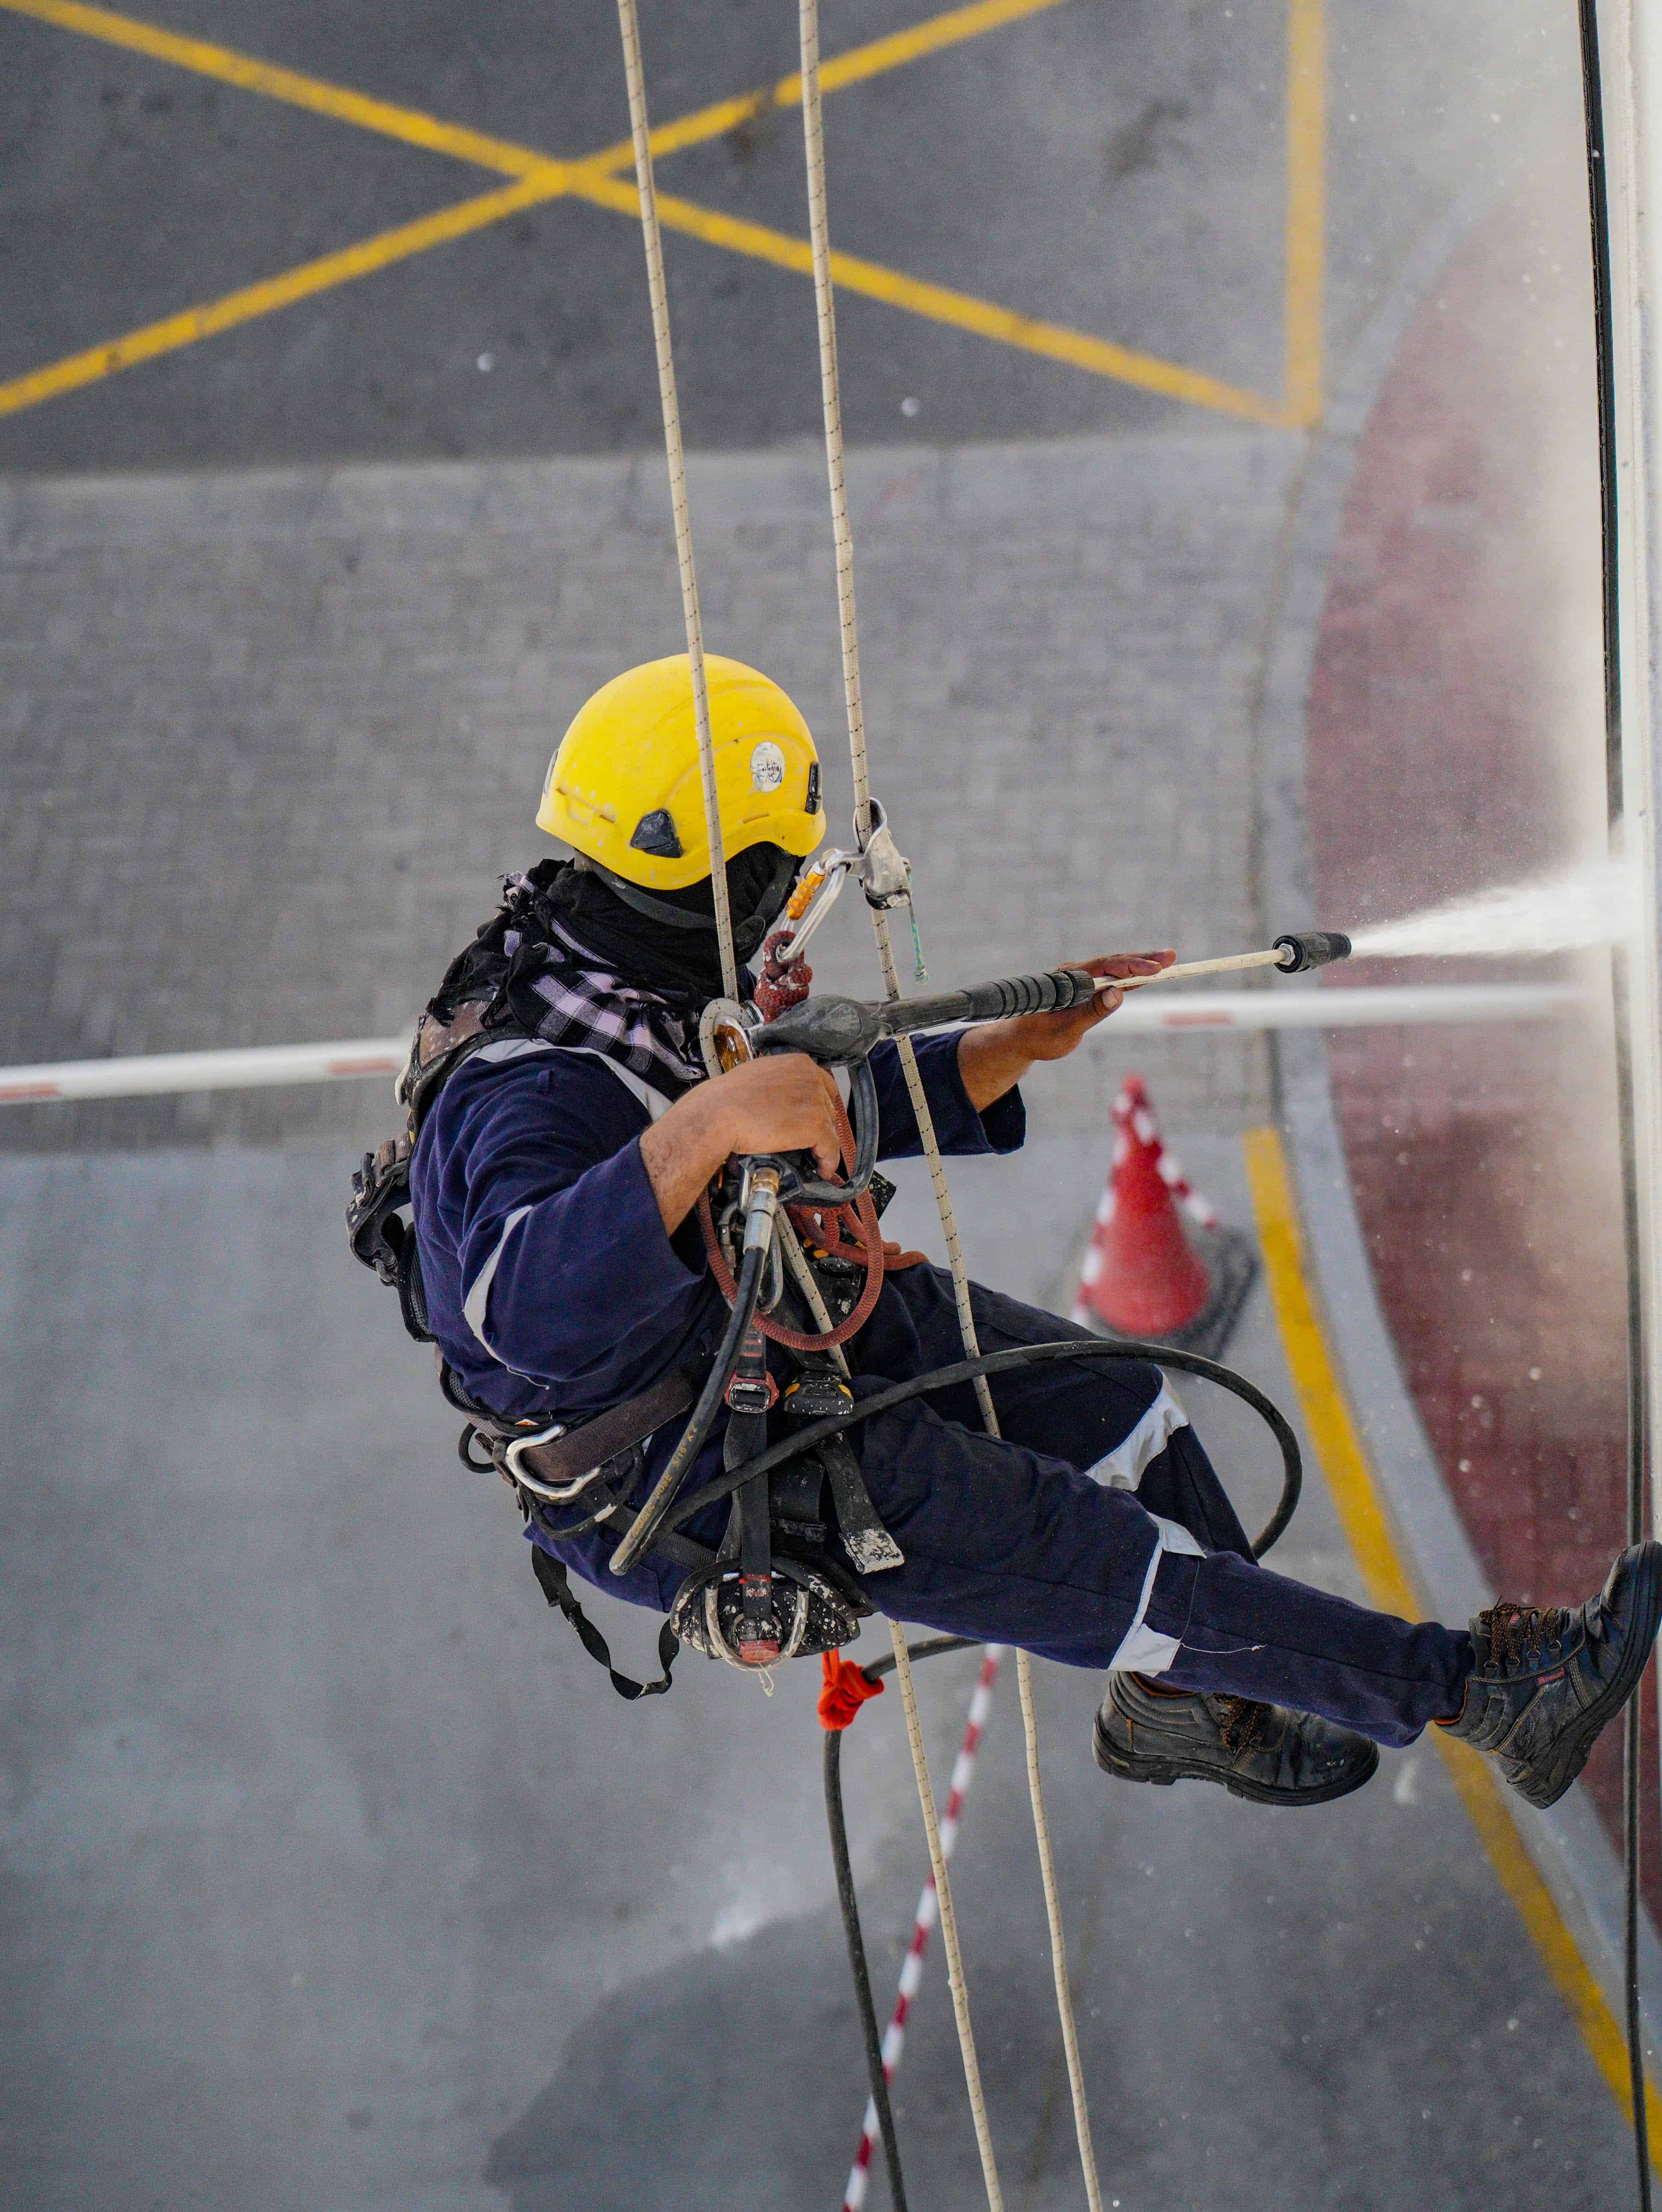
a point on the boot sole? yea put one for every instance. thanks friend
(1578, 1740)
(1164, 1771)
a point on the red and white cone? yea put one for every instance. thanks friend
(1141, 1276)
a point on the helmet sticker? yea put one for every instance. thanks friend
(767, 767)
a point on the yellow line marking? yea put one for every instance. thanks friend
(934, 303)
(406, 124)
(854, 67)
(416, 129)
(1307, 124)
(1389, 1584)
(262, 299)
(545, 179)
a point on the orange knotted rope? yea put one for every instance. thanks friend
(847, 1689)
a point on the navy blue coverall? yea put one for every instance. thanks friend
(1094, 1532)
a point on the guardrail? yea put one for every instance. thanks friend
(261, 1067)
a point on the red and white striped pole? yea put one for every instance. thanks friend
(911, 1971)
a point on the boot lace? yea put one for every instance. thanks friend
(1241, 1723)
(1518, 1633)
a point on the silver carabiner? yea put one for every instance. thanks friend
(835, 866)
(555, 1494)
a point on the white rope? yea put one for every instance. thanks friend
(954, 1963)
(825, 303)
(629, 23)
(1058, 1950)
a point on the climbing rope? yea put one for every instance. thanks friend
(954, 1963)
(831, 395)
(814, 140)
(629, 23)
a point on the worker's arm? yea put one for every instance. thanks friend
(993, 1057)
(544, 1245)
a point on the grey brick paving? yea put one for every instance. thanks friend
(269, 740)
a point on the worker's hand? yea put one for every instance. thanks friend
(781, 1102)
(995, 1055)
(1053, 1036)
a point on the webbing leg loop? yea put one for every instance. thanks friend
(556, 1587)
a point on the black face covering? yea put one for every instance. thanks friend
(667, 943)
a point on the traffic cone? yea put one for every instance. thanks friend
(1140, 1275)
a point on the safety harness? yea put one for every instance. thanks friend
(771, 1590)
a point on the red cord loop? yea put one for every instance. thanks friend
(860, 1219)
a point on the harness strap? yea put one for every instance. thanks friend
(556, 1587)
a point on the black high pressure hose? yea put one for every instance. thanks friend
(646, 1522)
(1001, 1363)
(1191, 1363)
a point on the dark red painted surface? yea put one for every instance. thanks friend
(1455, 742)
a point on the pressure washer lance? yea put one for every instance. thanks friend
(837, 1031)
(1311, 948)
(841, 1033)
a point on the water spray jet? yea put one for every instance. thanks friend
(1576, 911)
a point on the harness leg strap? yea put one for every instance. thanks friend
(759, 1642)
(865, 1538)
(556, 1587)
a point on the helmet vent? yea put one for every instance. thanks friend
(655, 833)
(813, 806)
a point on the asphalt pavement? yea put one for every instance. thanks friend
(337, 1874)
(1117, 167)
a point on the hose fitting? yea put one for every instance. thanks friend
(1311, 948)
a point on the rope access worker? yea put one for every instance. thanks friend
(566, 1132)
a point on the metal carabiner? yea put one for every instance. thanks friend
(723, 1035)
(555, 1494)
(834, 869)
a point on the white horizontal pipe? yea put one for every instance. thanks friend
(259, 1065)
(1364, 1007)
(162, 1071)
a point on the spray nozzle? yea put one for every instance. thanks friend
(1311, 948)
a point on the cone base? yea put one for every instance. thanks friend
(1231, 1258)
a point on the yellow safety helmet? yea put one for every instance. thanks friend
(625, 791)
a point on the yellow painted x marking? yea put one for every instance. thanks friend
(539, 177)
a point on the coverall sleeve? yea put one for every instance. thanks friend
(999, 1127)
(568, 1274)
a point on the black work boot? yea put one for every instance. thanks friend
(1275, 1757)
(1547, 1681)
